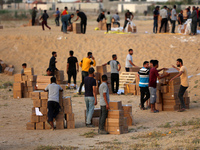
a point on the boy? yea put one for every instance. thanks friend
(108, 21)
(104, 104)
(44, 18)
(53, 100)
(24, 65)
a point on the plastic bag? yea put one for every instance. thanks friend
(129, 23)
(188, 27)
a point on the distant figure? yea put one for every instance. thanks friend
(198, 15)
(57, 17)
(108, 21)
(155, 17)
(169, 14)
(163, 14)
(174, 18)
(128, 15)
(44, 18)
(72, 68)
(49, 72)
(34, 14)
(66, 20)
(116, 19)
(24, 65)
(65, 12)
(52, 63)
(101, 17)
(193, 16)
(188, 12)
(180, 18)
(129, 60)
(83, 20)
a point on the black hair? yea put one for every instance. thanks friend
(130, 50)
(144, 63)
(45, 11)
(155, 62)
(72, 14)
(165, 6)
(53, 80)
(48, 69)
(180, 60)
(24, 64)
(117, 13)
(151, 61)
(91, 70)
(53, 52)
(71, 53)
(89, 53)
(114, 55)
(104, 77)
(66, 8)
(174, 6)
(77, 10)
(57, 8)
(108, 12)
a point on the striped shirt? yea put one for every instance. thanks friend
(144, 77)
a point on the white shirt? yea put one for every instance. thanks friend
(128, 57)
(163, 13)
(173, 15)
(53, 90)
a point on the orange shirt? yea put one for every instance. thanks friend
(65, 12)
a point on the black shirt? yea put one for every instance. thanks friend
(101, 17)
(82, 16)
(181, 18)
(52, 63)
(128, 15)
(155, 12)
(45, 16)
(72, 63)
(89, 83)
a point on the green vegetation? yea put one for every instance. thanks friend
(90, 134)
(56, 148)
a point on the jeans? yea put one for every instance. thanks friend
(153, 95)
(83, 26)
(64, 26)
(164, 22)
(53, 110)
(72, 74)
(173, 26)
(33, 21)
(117, 23)
(84, 74)
(127, 69)
(103, 116)
(45, 23)
(89, 102)
(108, 25)
(115, 79)
(57, 21)
(180, 95)
(155, 26)
(145, 95)
(125, 23)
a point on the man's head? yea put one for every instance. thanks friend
(189, 7)
(181, 11)
(57, 9)
(193, 8)
(165, 7)
(179, 62)
(66, 8)
(146, 64)
(174, 6)
(45, 11)
(155, 64)
(72, 15)
(117, 13)
(114, 57)
(108, 13)
(53, 80)
(71, 53)
(130, 51)
(89, 54)
(151, 63)
(49, 72)
(54, 54)
(24, 65)
(91, 71)
(104, 78)
(157, 7)
(103, 12)
(34, 8)
(77, 11)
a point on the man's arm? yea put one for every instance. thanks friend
(67, 67)
(160, 77)
(105, 99)
(132, 63)
(119, 67)
(80, 64)
(178, 75)
(95, 94)
(94, 62)
(162, 69)
(76, 19)
(77, 66)
(132, 16)
(175, 67)
(179, 19)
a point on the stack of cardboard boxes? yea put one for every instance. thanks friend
(43, 82)
(132, 29)
(59, 76)
(102, 25)
(159, 25)
(9, 70)
(167, 93)
(128, 114)
(95, 117)
(77, 28)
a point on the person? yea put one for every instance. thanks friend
(108, 21)
(164, 20)
(53, 90)
(65, 11)
(115, 68)
(153, 75)
(49, 72)
(86, 64)
(174, 19)
(72, 68)
(155, 18)
(101, 16)
(24, 65)
(129, 60)
(44, 18)
(128, 17)
(183, 73)
(52, 63)
(199, 16)
(34, 14)
(116, 19)
(66, 20)
(169, 15)
(180, 18)
(83, 20)
(151, 64)
(104, 104)
(90, 96)
(188, 12)
(143, 75)
(193, 16)
(57, 17)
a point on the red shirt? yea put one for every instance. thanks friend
(153, 77)
(197, 14)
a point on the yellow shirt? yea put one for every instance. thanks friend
(86, 64)
(184, 76)
(65, 12)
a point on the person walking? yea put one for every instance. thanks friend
(57, 17)
(163, 14)
(129, 60)
(108, 21)
(34, 14)
(193, 16)
(52, 63)
(83, 20)
(44, 18)
(155, 18)
(174, 18)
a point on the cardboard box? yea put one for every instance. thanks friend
(95, 121)
(33, 111)
(164, 89)
(60, 116)
(129, 118)
(97, 76)
(176, 81)
(116, 114)
(30, 83)
(44, 95)
(35, 95)
(17, 77)
(28, 71)
(130, 88)
(68, 109)
(24, 78)
(32, 78)
(60, 124)
(43, 110)
(61, 102)
(173, 89)
(35, 118)
(115, 105)
(114, 130)
(114, 122)
(170, 96)
(171, 102)
(40, 126)
(43, 118)
(44, 79)
(41, 86)
(101, 69)
(187, 100)
(134, 69)
(70, 117)
(70, 124)
(31, 88)
(159, 98)
(127, 108)
(30, 126)
(67, 101)
(6, 70)
(159, 106)
(17, 94)
(17, 86)
(11, 71)
(171, 107)
(59, 75)
(47, 127)
(77, 28)
(44, 102)
(37, 103)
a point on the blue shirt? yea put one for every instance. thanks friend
(144, 77)
(58, 13)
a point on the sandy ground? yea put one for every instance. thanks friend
(165, 130)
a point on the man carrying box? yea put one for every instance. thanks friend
(53, 100)
(104, 104)
(153, 83)
(24, 65)
(183, 73)
(129, 60)
(83, 20)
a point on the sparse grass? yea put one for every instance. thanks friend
(194, 101)
(5, 105)
(154, 134)
(56, 148)
(90, 134)
(195, 86)
(184, 123)
(166, 125)
(137, 146)
(6, 84)
(142, 127)
(196, 81)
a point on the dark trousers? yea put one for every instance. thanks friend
(117, 23)
(155, 26)
(33, 21)
(45, 23)
(103, 116)
(145, 95)
(125, 23)
(115, 79)
(108, 25)
(53, 110)
(84, 74)
(173, 26)
(70, 75)
(164, 22)
(194, 27)
(180, 95)
(83, 26)
(127, 69)
(57, 21)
